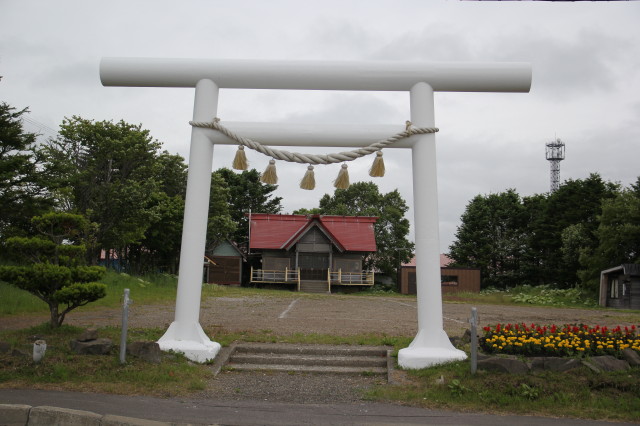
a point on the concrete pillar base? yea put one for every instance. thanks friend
(420, 357)
(429, 347)
(197, 346)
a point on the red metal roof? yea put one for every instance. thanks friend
(444, 261)
(276, 231)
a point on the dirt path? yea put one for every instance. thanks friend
(335, 314)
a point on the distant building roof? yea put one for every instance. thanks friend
(348, 233)
(444, 261)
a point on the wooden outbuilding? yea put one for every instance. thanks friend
(620, 287)
(453, 279)
(311, 251)
(224, 264)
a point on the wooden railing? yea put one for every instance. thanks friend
(292, 276)
(351, 278)
(287, 276)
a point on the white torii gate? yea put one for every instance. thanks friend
(431, 345)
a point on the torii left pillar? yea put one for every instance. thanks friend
(185, 333)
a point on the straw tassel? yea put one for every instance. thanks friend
(270, 176)
(309, 180)
(240, 161)
(377, 168)
(342, 181)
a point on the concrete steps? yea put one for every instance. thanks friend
(314, 286)
(343, 359)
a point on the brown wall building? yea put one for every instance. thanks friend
(453, 280)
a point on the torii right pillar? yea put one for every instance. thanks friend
(431, 345)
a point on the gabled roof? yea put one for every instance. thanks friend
(625, 268)
(226, 248)
(282, 232)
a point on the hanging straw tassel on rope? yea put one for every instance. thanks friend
(270, 176)
(342, 181)
(309, 180)
(240, 161)
(377, 168)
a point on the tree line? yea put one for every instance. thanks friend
(564, 238)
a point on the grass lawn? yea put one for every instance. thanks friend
(578, 393)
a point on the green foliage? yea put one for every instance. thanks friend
(457, 388)
(549, 296)
(618, 237)
(221, 224)
(80, 294)
(491, 237)
(49, 273)
(37, 249)
(116, 176)
(246, 193)
(23, 191)
(542, 239)
(529, 392)
(86, 274)
(575, 202)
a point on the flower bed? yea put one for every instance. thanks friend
(567, 340)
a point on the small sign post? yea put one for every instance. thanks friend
(125, 322)
(474, 340)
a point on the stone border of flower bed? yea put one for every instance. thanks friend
(516, 365)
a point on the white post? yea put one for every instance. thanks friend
(431, 345)
(185, 333)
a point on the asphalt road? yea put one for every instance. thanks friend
(221, 412)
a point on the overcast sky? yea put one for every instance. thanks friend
(585, 90)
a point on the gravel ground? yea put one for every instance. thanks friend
(296, 388)
(334, 314)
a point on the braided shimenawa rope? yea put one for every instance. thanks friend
(296, 157)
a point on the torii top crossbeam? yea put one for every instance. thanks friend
(316, 75)
(431, 345)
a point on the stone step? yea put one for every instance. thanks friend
(314, 286)
(309, 368)
(311, 360)
(290, 348)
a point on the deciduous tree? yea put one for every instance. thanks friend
(618, 237)
(112, 173)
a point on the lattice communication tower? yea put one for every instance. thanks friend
(555, 154)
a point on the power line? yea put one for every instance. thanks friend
(38, 127)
